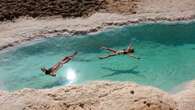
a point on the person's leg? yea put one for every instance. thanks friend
(67, 58)
(109, 49)
(65, 61)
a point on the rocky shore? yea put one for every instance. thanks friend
(99, 96)
(113, 13)
(13, 9)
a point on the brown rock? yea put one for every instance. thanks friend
(11, 9)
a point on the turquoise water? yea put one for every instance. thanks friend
(167, 52)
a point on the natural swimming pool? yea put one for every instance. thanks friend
(167, 52)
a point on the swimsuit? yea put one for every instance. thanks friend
(125, 52)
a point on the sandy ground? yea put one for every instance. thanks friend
(25, 29)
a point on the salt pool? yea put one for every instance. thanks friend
(167, 52)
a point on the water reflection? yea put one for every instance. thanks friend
(70, 75)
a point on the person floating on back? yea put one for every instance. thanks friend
(129, 51)
(53, 70)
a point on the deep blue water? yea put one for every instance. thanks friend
(167, 52)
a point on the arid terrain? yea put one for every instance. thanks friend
(27, 20)
(99, 96)
(13, 9)
(50, 20)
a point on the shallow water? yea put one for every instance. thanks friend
(167, 52)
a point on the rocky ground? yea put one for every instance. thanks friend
(105, 13)
(12, 9)
(99, 96)
(95, 96)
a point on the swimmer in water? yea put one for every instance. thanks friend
(129, 51)
(53, 70)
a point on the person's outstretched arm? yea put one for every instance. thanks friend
(107, 56)
(129, 47)
(109, 49)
